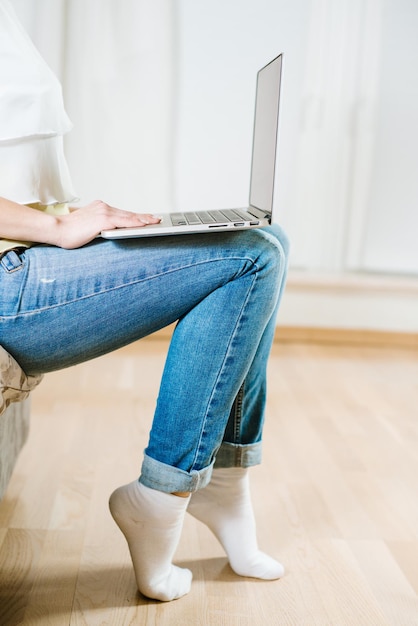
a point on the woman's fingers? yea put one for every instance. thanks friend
(85, 223)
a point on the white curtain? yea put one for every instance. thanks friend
(358, 188)
(116, 61)
(161, 93)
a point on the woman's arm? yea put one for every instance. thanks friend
(23, 223)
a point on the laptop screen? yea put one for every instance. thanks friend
(265, 135)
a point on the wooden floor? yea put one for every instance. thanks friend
(336, 498)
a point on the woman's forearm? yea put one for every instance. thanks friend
(23, 223)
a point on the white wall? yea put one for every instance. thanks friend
(162, 96)
(390, 238)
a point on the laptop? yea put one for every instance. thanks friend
(263, 165)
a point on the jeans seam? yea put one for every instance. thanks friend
(237, 423)
(237, 413)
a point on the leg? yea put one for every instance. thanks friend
(62, 307)
(225, 504)
(219, 344)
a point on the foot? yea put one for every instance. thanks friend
(225, 507)
(151, 522)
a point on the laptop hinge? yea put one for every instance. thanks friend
(258, 213)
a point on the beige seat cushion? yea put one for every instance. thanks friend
(14, 384)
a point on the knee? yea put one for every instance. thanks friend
(278, 250)
(277, 233)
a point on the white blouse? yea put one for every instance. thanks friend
(33, 121)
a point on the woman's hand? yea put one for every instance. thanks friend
(83, 224)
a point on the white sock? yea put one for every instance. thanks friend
(151, 522)
(225, 507)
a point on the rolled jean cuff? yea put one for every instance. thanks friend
(162, 477)
(235, 455)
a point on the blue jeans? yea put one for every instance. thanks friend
(62, 307)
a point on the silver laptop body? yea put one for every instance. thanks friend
(263, 165)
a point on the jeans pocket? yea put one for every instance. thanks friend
(11, 261)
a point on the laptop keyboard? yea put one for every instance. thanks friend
(210, 217)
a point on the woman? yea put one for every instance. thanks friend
(67, 296)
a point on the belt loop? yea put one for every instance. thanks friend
(11, 261)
